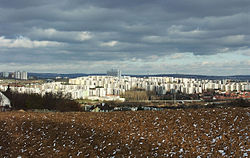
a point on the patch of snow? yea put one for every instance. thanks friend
(222, 152)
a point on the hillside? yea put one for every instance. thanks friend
(176, 133)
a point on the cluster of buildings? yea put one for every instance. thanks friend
(19, 75)
(111, 87)
(74, 91)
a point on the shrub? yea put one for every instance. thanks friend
(135, 95)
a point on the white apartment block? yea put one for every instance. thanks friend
(109, 87)
(21, 75)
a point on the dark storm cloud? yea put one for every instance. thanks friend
(111, 30)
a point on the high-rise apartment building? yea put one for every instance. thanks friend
(17, 75)
(21, 75)
(5, 74)
(24, 75)
(114, 73)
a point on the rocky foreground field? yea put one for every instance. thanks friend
(214, 132)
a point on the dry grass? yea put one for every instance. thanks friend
(171, 133)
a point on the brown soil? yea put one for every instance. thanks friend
(171, 133)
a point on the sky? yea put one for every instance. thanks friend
(205, 37)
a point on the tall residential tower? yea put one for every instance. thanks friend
(114, 72)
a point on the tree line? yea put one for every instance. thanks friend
(49, 101)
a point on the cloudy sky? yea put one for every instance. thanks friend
(210, 37)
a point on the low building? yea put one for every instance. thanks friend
(4, 103)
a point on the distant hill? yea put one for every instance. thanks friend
(74, 75)
(54, 75)
(235, 77)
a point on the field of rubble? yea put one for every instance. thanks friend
(215, 132)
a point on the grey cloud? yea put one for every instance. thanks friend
(141, 29)
(20, 4)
